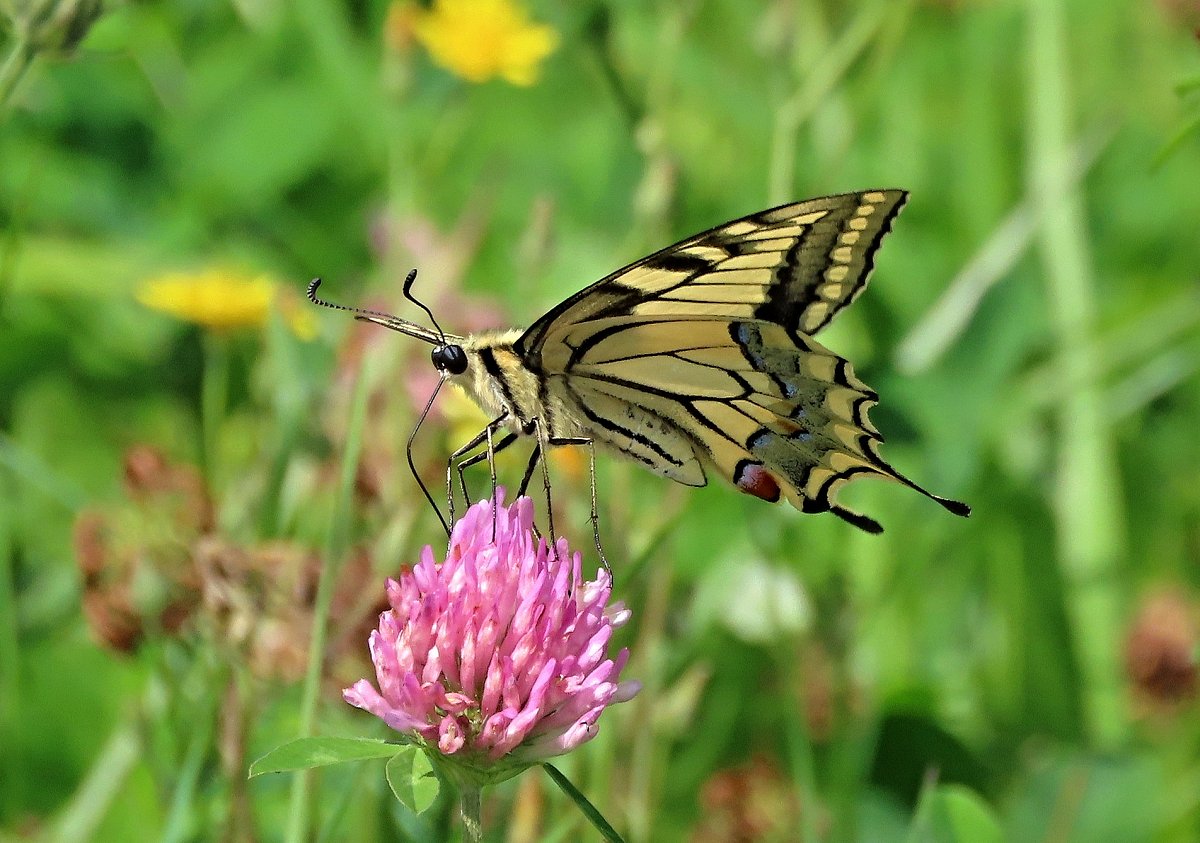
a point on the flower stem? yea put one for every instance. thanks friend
(214, 392)
(470, 804)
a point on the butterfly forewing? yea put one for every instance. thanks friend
(797, 265)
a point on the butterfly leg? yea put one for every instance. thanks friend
(479, 457)
(543, 444)
(591, 446)
(530, 467)
(476, 441)
(489, 453)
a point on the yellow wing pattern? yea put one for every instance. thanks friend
(797, 265)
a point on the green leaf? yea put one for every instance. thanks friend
(412, 780)
(303, 753)
(963, 816)
(589, 810)
(953, 813)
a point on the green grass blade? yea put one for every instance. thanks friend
(589, 810)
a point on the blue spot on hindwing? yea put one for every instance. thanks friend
(749, 337)
(759, 439)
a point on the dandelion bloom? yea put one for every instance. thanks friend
(221, 300)
(497, 657)
(482, 39)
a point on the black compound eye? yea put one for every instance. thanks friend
(449, 358)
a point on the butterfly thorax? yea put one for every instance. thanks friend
(502, 382)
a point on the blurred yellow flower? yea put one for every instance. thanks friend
(482, 39)
(220, 300)
(212, 298)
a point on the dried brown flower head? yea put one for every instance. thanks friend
(749, 803)
(1161, 651)
(135, 559)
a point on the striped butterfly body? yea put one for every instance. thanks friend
(701, 358)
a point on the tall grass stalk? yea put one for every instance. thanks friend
(16, 63)
(336, 541)
(103, 784)
(950, 316)
(798, 738)
(290, 403)
(1087, 514)
(183, 815)
(645, 756)
(214, 397)
(1173, 323)
(816, 85)
(10, 650)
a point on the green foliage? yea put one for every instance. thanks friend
(412, 780)
(593, 816)
(305, 753)
(1033, 329)
(957, 815)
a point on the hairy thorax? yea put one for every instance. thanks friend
(498, 380)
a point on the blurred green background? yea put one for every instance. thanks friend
(1028, 674)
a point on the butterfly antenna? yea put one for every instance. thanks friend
(408, 282)
(412, 465)
(315, 299)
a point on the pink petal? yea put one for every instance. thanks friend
(450, 735)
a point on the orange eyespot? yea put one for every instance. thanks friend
(753, 479)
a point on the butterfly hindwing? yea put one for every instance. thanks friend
(773, 411)
(639, 426)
